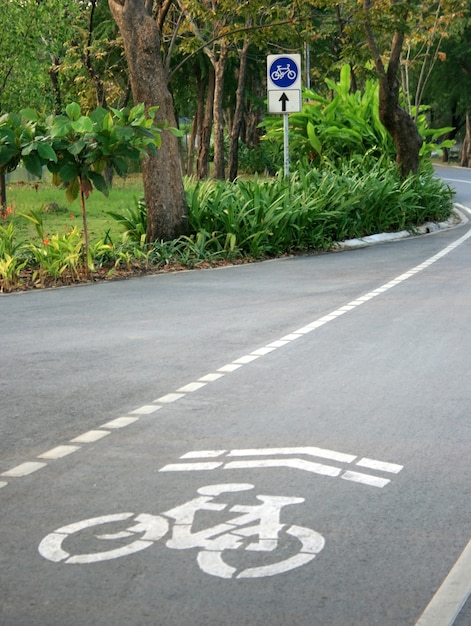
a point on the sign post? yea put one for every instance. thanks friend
(284, 92)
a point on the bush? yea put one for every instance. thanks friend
(258, 218)
(314, 208)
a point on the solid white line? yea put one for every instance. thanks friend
(24, 469)
(450, 598)
(58, 452)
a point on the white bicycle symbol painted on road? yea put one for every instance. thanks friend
(257, 529)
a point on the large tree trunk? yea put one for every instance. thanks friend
(204, 133)
(233, 164)
(167, 211)
(396, 120)
(218, 134)
(465, 157)
(401, 127)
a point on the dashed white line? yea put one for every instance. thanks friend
(3, 484)
(58, 452)
(147, 409)
(169, 398)
(120, 422)
(210, 378)
(29, 467)
(230, 367)
(90, 436)
(24, 469)
(191, 387)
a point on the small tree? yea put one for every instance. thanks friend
(77, 148)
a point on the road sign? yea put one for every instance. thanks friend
(284, 83)
(284, 100)
(283, 71)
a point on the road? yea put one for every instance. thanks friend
(283, 442)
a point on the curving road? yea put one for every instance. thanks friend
(283, 442)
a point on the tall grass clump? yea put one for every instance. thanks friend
(315, 208)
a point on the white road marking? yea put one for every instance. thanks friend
(308, 450)
(210, 378)
(204, 454)
(365, 479)
(91, 436)
(301, 464)
(381, 466)
(452, 595)
(230, 367)
(190, 467)
(24, 469)
(262, 351)
(58, 452)
(120, 422)
(3, 484)
(169, 398)
(248, 358)
(294, 463)
(147, 409)
(190, 388)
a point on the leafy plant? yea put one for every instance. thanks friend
(78, 148)
(133, 220)
(345, 126)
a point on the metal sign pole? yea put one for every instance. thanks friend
(286, 143)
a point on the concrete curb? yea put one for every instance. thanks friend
(458, 218)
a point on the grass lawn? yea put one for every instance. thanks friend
(60, 215)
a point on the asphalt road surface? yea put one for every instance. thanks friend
(282, 443)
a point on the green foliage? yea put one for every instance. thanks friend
(133, 220)
(344, 127)
(77, 148)
(313, 210)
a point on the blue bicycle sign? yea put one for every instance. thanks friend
(283, 72)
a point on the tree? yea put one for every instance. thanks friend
(397, 120)
(164, 194)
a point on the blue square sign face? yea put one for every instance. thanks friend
(284, 71)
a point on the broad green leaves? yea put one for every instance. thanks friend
(77, 148)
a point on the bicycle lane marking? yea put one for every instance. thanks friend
(29, 467)
(295, 462)
(255, 528)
